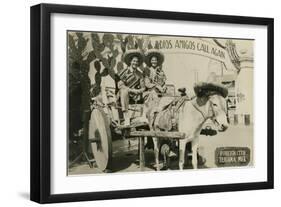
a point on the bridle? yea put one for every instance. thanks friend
(210, 114)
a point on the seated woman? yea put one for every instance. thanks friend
(154, 82)
(154, 76)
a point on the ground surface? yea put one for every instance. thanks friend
(125, 158)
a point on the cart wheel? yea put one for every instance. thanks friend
(100, 139)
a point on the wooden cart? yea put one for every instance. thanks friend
(104, 119)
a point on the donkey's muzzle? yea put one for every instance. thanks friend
(223, 127)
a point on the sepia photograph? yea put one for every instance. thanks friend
(148, 103)
(129, 103)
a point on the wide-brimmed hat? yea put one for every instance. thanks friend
(129, 54)
(153, 53)
(205, 88)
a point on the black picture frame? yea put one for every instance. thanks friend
(41, 95)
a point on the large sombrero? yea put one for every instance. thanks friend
(151, 53)
(205, 88)
(129, 54)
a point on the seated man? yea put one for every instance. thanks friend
(130, 82)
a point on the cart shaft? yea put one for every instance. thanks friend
(158, 134)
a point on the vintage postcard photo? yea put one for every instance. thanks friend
(145, 103)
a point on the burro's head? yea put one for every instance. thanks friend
(218, 111)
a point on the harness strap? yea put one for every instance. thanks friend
(181, 101)
(198, 109)
(202, 113)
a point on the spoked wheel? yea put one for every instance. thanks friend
(100, 139)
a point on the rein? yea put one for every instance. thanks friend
(205, 117)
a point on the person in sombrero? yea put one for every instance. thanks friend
(154, 81)
(154, 76)
(130, 82)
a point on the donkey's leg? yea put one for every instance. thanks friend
(182, 144)
(156, 152)
(194, 144)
